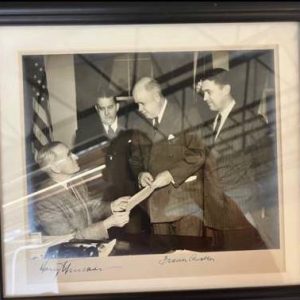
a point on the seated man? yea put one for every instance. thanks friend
(63, 205)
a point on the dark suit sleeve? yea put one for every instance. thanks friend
(193, 158)
(137, 159)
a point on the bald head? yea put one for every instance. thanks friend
(147, 83)
(147, 94)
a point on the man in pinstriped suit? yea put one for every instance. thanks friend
(239, 146)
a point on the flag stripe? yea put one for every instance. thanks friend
(44, 128)
(40, 111)
(40, 136)
(36, 144)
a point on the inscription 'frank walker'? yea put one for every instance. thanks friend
(189, 259)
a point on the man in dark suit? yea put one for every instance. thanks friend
(101, 123)
(239, 146)
(167, 154)
(105, 127)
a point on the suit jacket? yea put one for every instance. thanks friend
(231, 177)
(117, 174)
(91, 131)
(59, 212)
(175, 147)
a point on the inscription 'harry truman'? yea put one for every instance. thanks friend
(65, 268)
(190, 259)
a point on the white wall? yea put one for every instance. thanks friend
(62, 96)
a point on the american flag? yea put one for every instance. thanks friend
(42, 131)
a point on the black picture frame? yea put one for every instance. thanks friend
(87, 13)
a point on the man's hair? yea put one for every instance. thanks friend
(149, 84)
(46, 155)
(106, 93)
(219, 76)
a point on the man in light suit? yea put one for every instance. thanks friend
(63, 205)
(167, 154)
(240, 145)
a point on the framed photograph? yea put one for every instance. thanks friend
(150, 150)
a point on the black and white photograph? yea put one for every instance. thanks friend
(161, 151)
(149, 158)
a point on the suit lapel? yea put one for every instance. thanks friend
(161, 132)
(121, 125)
(231, 135)
(169, 124)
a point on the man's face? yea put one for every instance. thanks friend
(107, 108)
(65, 162)
(214, 94)
(148, 103)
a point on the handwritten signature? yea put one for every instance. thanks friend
(66, 267)
(189, 259)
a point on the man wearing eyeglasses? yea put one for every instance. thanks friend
(62, 205)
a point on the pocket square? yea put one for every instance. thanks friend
(191, 178)
(171, 137)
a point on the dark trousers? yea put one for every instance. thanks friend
(189, 226)
(237, 239)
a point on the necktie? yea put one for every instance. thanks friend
(219, 117)
(110, 132)
(155, 122)
(78, 196)
(155, 126)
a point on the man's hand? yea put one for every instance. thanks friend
(145, 179)
(119, 204)
(117, 219)
(162, 179)
(199, 86)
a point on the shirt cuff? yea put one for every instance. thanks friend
(172, 178)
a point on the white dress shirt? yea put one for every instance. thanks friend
(161, 113)
(224, 115)
(114, 126)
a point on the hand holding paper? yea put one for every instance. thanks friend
(162, 179)
(139, 197)
(145, 179)
(120, 204)
(117, 219)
